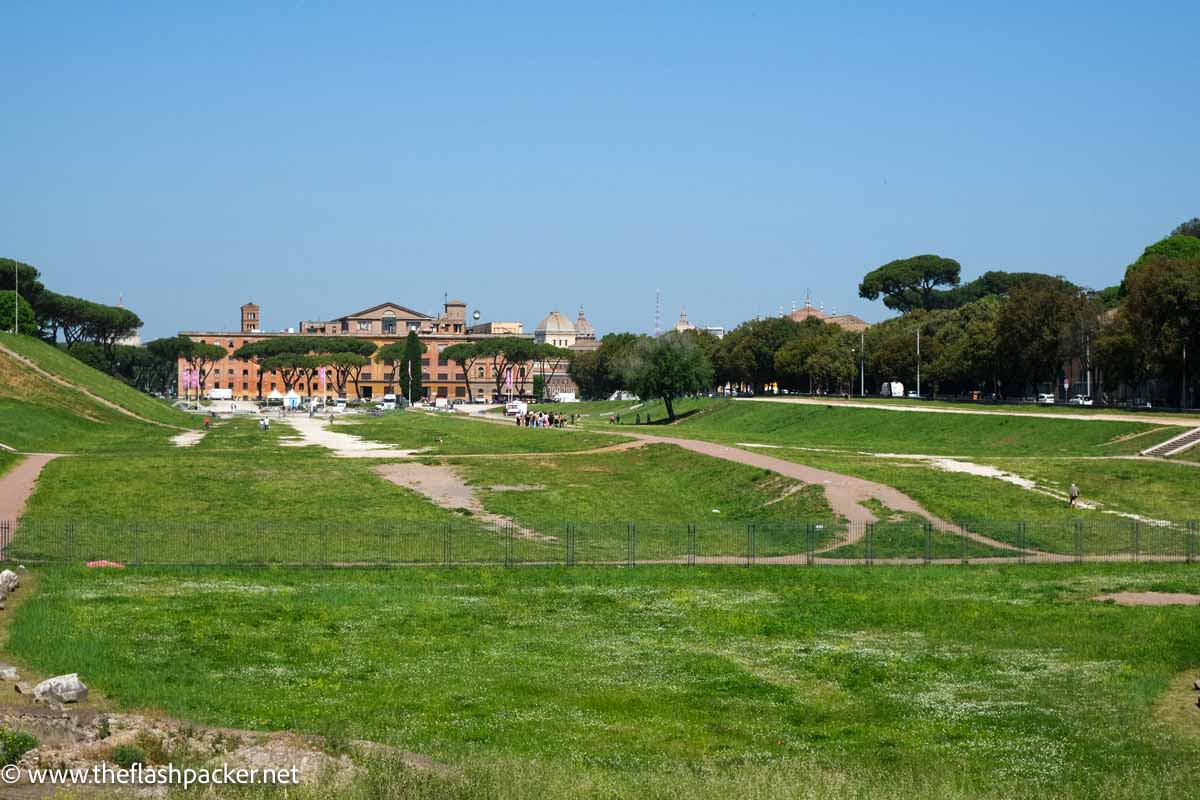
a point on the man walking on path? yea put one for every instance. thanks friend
(1074, 491)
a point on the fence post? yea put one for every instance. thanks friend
(631, 546)
(963, 546)
(1191, 542)
(446, 544)
(691, 550)
(1021, 542)
(928, 541)
(870, 543)
(4, 537)
(570, 554)
(1137, 540)
(809, 545)
(1078, 541)
(749, 544)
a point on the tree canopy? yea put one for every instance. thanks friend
(910, 283)
(667, 367)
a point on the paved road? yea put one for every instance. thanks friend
(1098, 416)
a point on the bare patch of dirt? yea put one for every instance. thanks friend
(1178, 707)
(1150, 599)
(520, 487)
(187, 438)
(444, 487)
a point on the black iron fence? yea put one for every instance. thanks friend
(468, 541)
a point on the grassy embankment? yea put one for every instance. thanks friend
(885, 682)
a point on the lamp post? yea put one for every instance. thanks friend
(862, 363)
(918, 362)
(16, 299)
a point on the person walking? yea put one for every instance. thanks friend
(1074, 492)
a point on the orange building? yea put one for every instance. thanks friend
(382, 324)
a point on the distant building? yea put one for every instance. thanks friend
(555, 329)
(847, 322)
(683, 324)
(498, 328)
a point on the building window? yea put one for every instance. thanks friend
(480, 372)
(425, 376)
(245, 372)
(442, 376)
(365, 376)
(245, 386)
(442, 362)
(231, 342)
(272, 387)
(460, 391)
(364, 324)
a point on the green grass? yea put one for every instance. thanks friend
(238, 494)
(36, 428)
(446, 434)
(56, 361)
(970, 682)
(8, 461)
(662, 488)
(882, 431)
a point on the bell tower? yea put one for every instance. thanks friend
(250, 319)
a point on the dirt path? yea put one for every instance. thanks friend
(50, 376)
(1100, 416)
(18, 483)
(444, 487)
(187, 438)
(316, 431)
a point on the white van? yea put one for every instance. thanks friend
(388, 403)
(339, 404)
(515, 408)
(1045, 399)
(564, 397)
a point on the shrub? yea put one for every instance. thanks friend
(127, 755)
(14, 744)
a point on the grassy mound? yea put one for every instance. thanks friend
(56, 362)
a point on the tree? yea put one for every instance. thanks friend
(552, 356)
(747, 354)
(597, 372)
(406, 358)
(347, 368)
(791, 360)
(465, 354)
(1122, 355)
(10, 303)
(23, 277)
(1189, 228)
(831, 364)
(539, 387)
(910, 283)
(667, 367)
(506, 353)
(202, 358)
(1037, 326)
(107, 325)
(1163, 306)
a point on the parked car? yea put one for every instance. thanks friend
(1080, 400)
(1045, 399)
(912, 395)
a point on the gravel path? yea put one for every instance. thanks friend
(316, 431)
(17, 484)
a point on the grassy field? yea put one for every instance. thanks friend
(979, 682)
(8, 461)
(855, 429)
(448, 434)
(59, 363)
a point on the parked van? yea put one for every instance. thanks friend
(515, 408)
(892, 389)
(388, 403)
(564, 397)
(339, 404)
(1045, 400)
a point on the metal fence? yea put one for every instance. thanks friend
(467, 541)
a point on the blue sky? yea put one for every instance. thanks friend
(320, 157)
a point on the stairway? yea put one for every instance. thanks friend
(1175, 446)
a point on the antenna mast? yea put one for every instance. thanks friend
(658, 312)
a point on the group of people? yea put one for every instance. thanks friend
(541, 419)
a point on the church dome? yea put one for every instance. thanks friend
(555, 323)
(584, 328)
